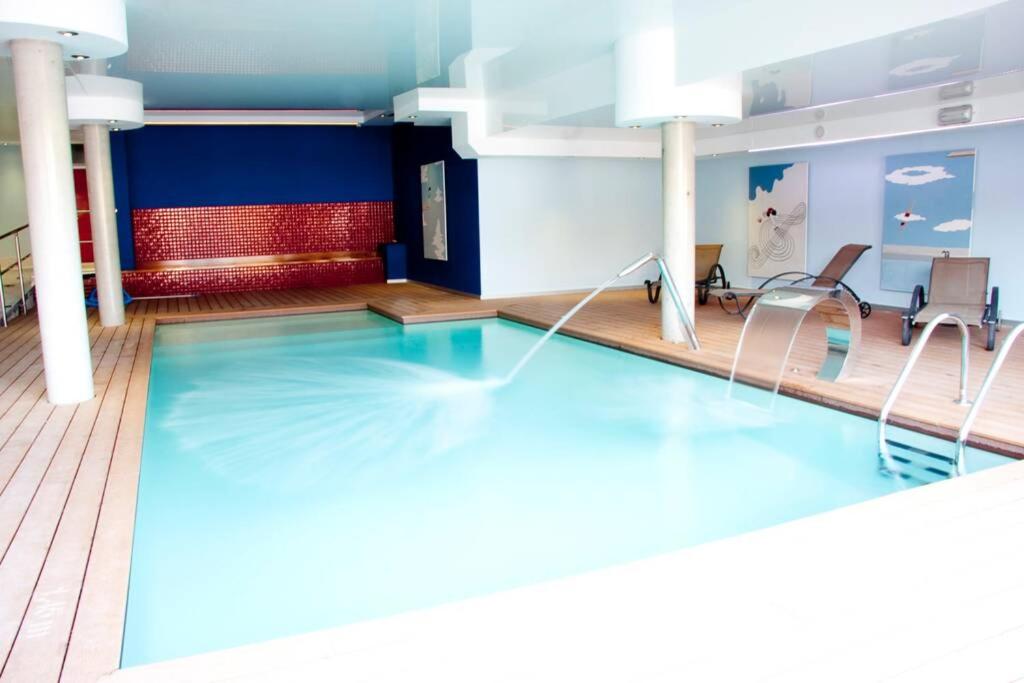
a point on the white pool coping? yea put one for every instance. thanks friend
(923, 585)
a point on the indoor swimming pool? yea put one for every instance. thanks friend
(306, 472)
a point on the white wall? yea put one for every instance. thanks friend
(550, 225)
(845, 206)
(557, 224)
(12, 198)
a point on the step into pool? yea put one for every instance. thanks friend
(306, 472)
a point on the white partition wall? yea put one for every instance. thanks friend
(555, 225)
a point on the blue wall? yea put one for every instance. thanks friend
(846, 190)
(417, 145)
(122, 199)
(180, 166)
(175, 166)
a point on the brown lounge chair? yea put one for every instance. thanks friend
(831, 276)
(959, 285)
(709, 273)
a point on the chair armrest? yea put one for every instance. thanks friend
(804, 276)
(717, 275)
(917, 302)
(992, 308)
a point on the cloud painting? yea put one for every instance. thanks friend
(929, 207)
(957, 225)
(918, 175)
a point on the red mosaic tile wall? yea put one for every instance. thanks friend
(205, 232)
(253, 277)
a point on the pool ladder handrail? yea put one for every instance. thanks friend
(972, 414)
(915, 354)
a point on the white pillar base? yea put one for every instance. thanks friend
(49, 189)
(679, 215)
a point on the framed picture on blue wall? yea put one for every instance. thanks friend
(435, 219)
(928, 212)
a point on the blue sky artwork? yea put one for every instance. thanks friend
(765, 177)
(928, 210)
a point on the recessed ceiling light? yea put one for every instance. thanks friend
(115, 130)
(112, 122)
(680, 118)
(717, 125)
(67, 34)
(79, 58)
(412, 117)
(634, 127)
(714, 155)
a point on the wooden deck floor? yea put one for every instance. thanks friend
(68, 474)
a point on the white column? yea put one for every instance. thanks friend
(100, 178)
(104, 224)
(49, 188)
(679, 216)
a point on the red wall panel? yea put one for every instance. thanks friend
(191, 233)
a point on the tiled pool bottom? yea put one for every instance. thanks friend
(308, 472)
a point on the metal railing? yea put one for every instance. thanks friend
(972, 414)
(19, 264)
(915, 354)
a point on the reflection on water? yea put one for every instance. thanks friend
(332, 420)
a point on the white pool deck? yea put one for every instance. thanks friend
(923, 585)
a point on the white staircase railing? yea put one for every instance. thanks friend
(972, 414)
(915, 354)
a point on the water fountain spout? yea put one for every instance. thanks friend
(637, 265)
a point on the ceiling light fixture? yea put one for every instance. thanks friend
(717, 125)
(79, 58)
(254, 117)
(67, 34)
(955, 90)
(412, 117)
(112, 122)
(634, 127)
(115, 130)
(952, 116)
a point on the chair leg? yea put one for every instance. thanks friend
(908, 331)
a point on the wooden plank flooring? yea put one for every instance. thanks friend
(68, 474)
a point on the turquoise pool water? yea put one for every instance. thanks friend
(307, 472)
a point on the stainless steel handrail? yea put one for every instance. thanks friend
(972, 414)
(19, 260)
(14, 230)
(13, 264)
(915, 354)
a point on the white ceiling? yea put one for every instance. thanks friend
(317, 54)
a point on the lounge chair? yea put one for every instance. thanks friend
(709, 273)
(959, 285)
(831, 276)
